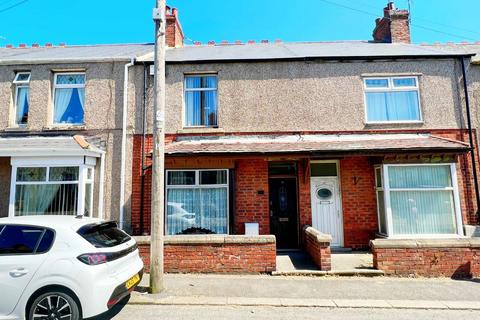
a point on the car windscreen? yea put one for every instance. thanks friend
(103, 235)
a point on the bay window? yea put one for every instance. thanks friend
(416, 200)
(197, 201)
(52, 190)
(392, 99)
(68, 98)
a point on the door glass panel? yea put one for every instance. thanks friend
(282, 168)
(324, 193)
(323, 169)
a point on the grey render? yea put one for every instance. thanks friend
(275, 89)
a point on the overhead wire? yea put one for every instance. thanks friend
(412, 24)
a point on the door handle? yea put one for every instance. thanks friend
(18, 272)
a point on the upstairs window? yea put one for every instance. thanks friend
(69, 97)
(22, 88)
(392, 99)
(201, 101)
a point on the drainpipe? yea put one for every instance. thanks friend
(101, 186)
(144, 133)
(470, 136)
(124, 143)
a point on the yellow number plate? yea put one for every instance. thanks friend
(132, 281)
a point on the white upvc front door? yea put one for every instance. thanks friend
(326, 208)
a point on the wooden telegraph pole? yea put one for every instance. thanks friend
(158, 180)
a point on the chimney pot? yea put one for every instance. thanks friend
(48, 45)
(9, 46)
(35, 45)
(264, 41)
(278, 41)
(174, 11)
(224, 42)
(238, 42)
(197, 43)
(61, 44)
(251, 41)
(22, 45)
(211, 43)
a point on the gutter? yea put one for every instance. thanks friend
(124, 143)
(320, 58)
(470, 136)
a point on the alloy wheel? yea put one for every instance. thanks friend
(53, 307)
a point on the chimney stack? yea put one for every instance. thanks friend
(394, 27)
(173, 30)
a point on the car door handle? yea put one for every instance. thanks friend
(18, 272)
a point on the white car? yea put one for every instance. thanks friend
(64, 267)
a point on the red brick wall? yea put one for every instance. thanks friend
(215, 258)
(357, 186)
(304, 197)
(359, 204)
(319, 251)
(251, 176)
(428, 262)
(136, 199)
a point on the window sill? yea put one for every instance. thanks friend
(16, 129)
(201, 130)
(382, 123)
(72, 127)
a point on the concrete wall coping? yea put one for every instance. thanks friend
(425, 243)
(320, 237)
(211, 239)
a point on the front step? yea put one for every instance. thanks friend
(334, 273)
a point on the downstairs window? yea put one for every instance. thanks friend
(197, 200)
(418, 200)
(53, 190)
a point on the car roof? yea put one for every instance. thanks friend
(51, 221)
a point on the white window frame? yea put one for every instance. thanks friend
(392, 88)
(388, 207)
(19, 84)
(197, 185)
(185, 90)
(51, 163)
(381, 189)
(68, 86)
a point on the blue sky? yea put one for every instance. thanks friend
(128, 21)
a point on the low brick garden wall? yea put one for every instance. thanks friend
(454, 258)
(317, 245)
(214, 253)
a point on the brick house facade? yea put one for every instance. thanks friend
(289, 140)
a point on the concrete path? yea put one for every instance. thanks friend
(299, 263)
(139, 312)
(330, 292)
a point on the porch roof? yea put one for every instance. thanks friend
(40, 146)
(313, 143)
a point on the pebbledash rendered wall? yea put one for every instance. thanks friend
(357, 184)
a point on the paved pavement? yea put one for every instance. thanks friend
(331, 288)
(138, 312)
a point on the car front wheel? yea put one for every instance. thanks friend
(54, 306)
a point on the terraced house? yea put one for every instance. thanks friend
(370, 143)
(62, 133)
